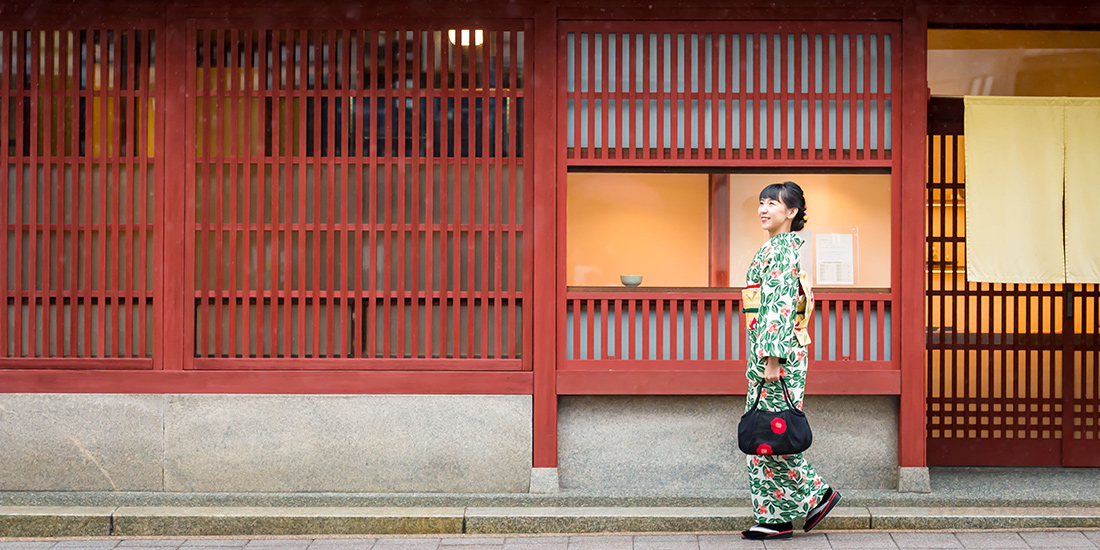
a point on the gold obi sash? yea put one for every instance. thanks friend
(750, 306)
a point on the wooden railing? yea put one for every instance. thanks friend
(702, 330)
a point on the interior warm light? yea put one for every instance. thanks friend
(479, 37)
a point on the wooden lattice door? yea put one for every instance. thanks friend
(1013, 374)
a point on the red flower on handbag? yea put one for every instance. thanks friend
(776, 273)
(764, 449)
(813, 502)
(762, 509)
(785, 311)
(773, 328)
(763, 393)
(778, 425)
(792, 475)
(755, 461)
(817, 483)
(779, 493)
(769, 473)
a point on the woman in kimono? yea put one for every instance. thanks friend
(783, 487)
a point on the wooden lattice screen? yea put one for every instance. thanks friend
(79, 165)
(1013, 374)
(756, 93)
(359, 194)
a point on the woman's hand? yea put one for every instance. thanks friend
(771, 369)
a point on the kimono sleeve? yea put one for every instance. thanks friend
(778, 293)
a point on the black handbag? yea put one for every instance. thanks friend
(785, 432)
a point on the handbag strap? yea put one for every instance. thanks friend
(786, 393)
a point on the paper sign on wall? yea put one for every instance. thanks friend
(835, 257)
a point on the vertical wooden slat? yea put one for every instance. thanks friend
(348, 235)
(32, 161)
(742, 90)
(604, 94)
(446, 296)
(20, 163)
(813, 96)
(238, 92)
(221, 90)
(414, 269)
(784, 55)
(796, 98)
(357, 257)
(661, 97)
(457, 166)
(396, 289)
(331, 138)
(660, 316)
(852, 96)
(50, 227)
(104, 97)
(296, 92)
(828, 88)
(759, 88)
(312, 41)
(499, 161)
(278, 297)
(128, 169)
(675, 96)
(370, 123)
(483, 226)
(590, 93)
(6, 39)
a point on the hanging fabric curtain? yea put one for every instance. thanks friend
(1014, 173)
(1082, 190)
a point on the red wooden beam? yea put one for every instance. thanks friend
(725, 380)
(266, 382)
(719, 226)
(908, 271)
(545, 327)
(174, 210)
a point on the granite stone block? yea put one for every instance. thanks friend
(137, 521)
(991, 539)
(983, 518)
(926, 540)
(72, 442)
(914, 480)
(45, 521)
(1060, 539)
(596, 520)
(861, 540)
(351, 443)
(728, 542)
(688, 444)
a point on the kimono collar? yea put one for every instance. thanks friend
(789, 236)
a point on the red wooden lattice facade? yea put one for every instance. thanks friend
(359, 197)
(79, 168)
(670, 95)
(751, 94)
(1013, 369)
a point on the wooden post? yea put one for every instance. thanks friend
(909, 272)
(546, 239)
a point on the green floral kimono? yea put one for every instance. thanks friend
(783, 487)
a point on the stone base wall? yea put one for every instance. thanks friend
(413, 443)
(688, 445)
(265, 443)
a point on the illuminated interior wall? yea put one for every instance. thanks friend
(653, 225)
(836, 203)
(1014, 63)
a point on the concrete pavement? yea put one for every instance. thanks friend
(902, 540)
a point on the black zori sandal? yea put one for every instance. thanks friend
(768, 531)
(828, 502)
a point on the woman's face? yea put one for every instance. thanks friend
(775, 217)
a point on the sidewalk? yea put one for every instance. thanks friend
(962, 498)
(813, 541)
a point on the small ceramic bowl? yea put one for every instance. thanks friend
(631, 280)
